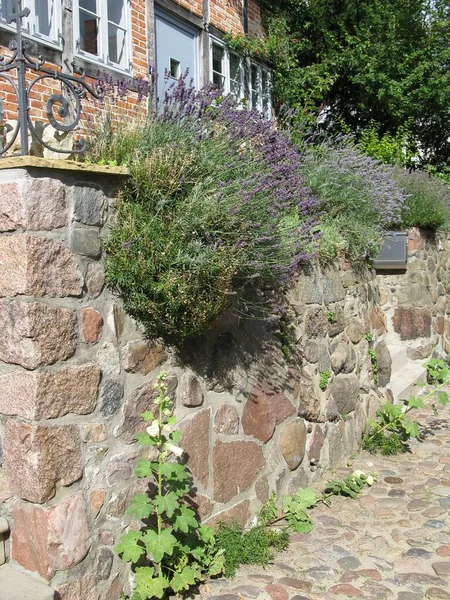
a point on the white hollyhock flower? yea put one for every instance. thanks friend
(369, 480)
(358, 473)
(174, 449)
(153, 429)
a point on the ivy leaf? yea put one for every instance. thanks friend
(414, 402)
(143, 468)
(140, 507)
(167, 503)
(158, 545)
(129, 547)
(185, 519)
(443, 398)
(148, 586)
(182, 581)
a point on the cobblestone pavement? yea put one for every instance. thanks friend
(393, 542)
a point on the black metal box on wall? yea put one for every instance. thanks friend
(394, 252)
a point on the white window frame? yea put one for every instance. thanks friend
(30, 24)
(102, 57)
(226, 74)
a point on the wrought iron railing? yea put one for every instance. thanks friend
(66, 104)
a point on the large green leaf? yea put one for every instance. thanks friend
(129, 547)
(140, 507)
(167, 503)
(185, 519)
(148, 586)
(159, 545)
(183, 580)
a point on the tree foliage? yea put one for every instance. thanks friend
(383, 61)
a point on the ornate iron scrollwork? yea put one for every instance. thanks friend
(67, 104)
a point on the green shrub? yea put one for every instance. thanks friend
(215, 207)
(428, 200)
(251, 548)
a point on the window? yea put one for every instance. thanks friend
(43, 22)
(229, 72)
(102, 31)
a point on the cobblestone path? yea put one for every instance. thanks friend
(393, 542)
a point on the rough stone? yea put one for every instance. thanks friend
(235, 465)
(412, 322)
(106, 537)
(91, 324)
(316, 444)
(196, 445)
(97, 501)
(345, 589)
(41, 458)
(94, 432)
(293, 443)
(50, 394)
(298, 584)
(263, 410)
(88, 205)
(37, 204)
(86, 242)
(307, 289)
(139, 401)
(277, 592)
(201, 505)
(343, 358)
(80, 589)
(435, 593)
(441, 568)
(333, 290)
(103, 563)
(315, 323)
(115, 589)
(420, 352)
(239, 513)
(190, 391)
(355, 331)
(226, 420)
(121, 467)
(52, 539)
(262, 489)
(143, 357)
(108, 359)
(95, 279)
(111, 397)
(310, 351)
(384, 364)
(345, 393)
(377, 320)
(35, 334)
(306, 396)
(33, 265)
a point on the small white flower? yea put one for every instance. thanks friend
(174, 449)
(369, 480)
(358, 473)
(153, 429)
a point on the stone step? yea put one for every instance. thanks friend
(403, 382)
(15, 585)
(399, 357)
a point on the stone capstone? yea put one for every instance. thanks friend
(41, 458)
(143, 357)
(36, 266)
(226, 420)
(263, 410)
(196, 445)
(293, 443)
(46, 540)
(35, 334)
(50, 394)
(345, 393)
(235, 467)
(412, 322)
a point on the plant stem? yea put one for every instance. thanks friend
(159, 522)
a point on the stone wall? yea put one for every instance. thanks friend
(416, 302)
(76, 373)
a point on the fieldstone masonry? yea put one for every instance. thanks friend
(76, 373)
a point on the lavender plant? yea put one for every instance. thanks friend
(359, 198)
(215, 205)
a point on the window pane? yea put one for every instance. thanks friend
(218, 80)
(217, 58)
(265, 84)
(116, 12)
(254, 79)
(90, 5)
(235, 67)
(45, 13)
(88, 33)
(6, 9)
(116, 44)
